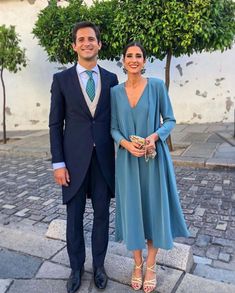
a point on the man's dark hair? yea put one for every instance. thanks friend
(84, 24)
(133, 44)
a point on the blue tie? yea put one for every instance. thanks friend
(90, 86)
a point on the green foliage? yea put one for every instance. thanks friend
(12, 57)
(180, 27)
(54, 27)
(102, 14)
(163, 26)
(218, 26)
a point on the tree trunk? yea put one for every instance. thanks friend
(167, 82)
(4, 109)
(167, 70)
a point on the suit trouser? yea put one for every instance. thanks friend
(94, 184)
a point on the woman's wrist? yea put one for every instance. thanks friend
(154, 136)
(124, 143)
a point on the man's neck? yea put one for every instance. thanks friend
(88, 64)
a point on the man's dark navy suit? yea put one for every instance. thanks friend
(85, 145)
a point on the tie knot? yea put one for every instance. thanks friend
(89, 73)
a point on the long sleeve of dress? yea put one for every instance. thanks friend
(166, 113)
(115, 131)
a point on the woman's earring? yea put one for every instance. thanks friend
(124, 70)
(143, 70)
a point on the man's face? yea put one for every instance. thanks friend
(86, 45)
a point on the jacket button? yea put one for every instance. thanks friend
(93, 121)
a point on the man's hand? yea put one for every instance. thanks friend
(61, 176)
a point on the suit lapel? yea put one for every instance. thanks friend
(78, 91)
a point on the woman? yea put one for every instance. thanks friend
(147, 204)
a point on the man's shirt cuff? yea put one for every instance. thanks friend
(58, 165)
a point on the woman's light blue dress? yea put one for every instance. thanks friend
(147, 202)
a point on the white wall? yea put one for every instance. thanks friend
(202, 86)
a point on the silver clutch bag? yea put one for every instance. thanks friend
(142, 143)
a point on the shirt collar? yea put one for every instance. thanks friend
(80, 69)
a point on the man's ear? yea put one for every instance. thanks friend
(100, 45)
(74, 47)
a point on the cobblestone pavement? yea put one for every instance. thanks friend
(28, 194)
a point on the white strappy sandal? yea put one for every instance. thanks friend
(150, 285)
(137, 282)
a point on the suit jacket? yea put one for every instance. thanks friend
(73, 130)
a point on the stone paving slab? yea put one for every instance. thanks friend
(120, 268)
(38, 133)
(224, 265)
(4, 284)
(59, 286)
(51, 270)
(218, 127)
(179, 128)
(220, 275)
(18, 266)
(215, 138)
(195, 284)
(219, 162)
(196, 137)
(14, 134)
(62, 257)
(57, 230)
(200, 150)
(29, 243)
(225, 148)
(32, 141)
(39, 286)
(202, 260)
(202, 127)
(188, 161)
(228, 136)
(180, 257)
(27, 226)
(114, 287)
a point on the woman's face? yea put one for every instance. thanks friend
(134, 60)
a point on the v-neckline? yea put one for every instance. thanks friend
(139, 97)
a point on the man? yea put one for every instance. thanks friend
(83, 150)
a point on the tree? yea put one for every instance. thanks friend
(12, 58)
(169, 28)
(54, 26)
(166, 28)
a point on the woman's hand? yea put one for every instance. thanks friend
(134, 148)
(150, 142)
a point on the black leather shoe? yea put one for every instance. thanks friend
(100, 277)
(74, 281)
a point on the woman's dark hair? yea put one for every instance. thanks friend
(84, 24)
(134, 44)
